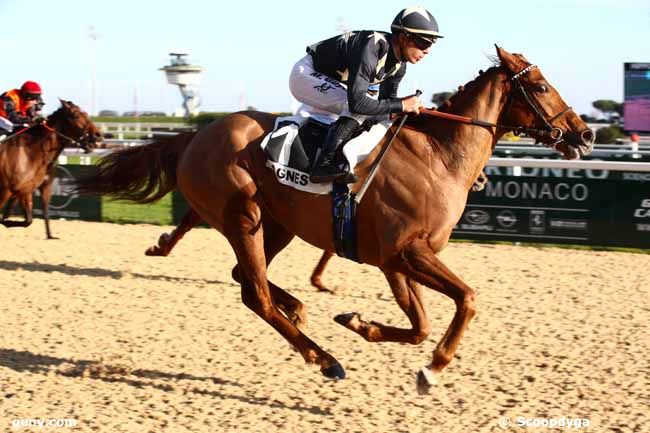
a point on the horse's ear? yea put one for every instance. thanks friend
(64, 103)
(509, 61)
(502, 54)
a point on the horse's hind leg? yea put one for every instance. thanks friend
(276, 238)
(167, 241)
(26, 202)
(408, 295)
(419, 262)
(9, 208)
(5, 196)
(318, 272)
(244, 230)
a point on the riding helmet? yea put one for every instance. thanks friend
(31, 89)
(416, 21)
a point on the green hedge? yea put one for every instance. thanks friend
(609, 135)
(159, 213)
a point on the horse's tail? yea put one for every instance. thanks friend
(141, 174)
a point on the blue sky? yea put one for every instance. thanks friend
(580, 46)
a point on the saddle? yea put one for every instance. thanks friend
(295, 142)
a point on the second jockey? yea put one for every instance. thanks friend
(20, 107)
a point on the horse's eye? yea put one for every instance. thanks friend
(541, 88)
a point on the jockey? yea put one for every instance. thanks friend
(337, 74)
(20, 107)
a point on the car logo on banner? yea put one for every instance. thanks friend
(477, 217)
(506, 218)
(537, 221)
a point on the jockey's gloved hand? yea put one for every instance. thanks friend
(38, 120)
(412, 104)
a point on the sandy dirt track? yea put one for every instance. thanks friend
(94, 331)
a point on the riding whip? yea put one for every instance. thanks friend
(358, 196)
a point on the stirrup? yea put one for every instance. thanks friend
(347, 178)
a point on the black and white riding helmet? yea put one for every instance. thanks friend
(416, 21)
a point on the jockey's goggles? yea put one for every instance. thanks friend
(422, 43)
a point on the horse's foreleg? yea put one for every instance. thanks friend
(167, 241)
(46, 195)
(244, 230)
(318, 272)
(408, 295)
(418, 261)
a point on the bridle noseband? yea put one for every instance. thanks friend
(549, 130)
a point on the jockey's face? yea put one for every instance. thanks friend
(31, 100)
(413, 48)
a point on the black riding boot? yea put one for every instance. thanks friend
(325, 168)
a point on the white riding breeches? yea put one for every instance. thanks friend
(6, 124)
(319, 94)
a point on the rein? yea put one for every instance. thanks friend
(62, 135)
(549, 131)
(19, 132)
(49, 128)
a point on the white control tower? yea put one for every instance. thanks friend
(187, 77)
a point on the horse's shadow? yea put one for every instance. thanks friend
(25, 361)
(100, 272)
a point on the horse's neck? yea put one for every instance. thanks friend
(471, 145)
(51, 146)
(57, 123)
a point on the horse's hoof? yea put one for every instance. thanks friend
(153, 251)
(345, 318)
(425, 380)
(334, 371)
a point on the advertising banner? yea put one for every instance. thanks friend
(598, 208)
(64, 203)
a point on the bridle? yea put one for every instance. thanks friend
(549, 130)
(77, 142)
(84, 137)
(554, 133)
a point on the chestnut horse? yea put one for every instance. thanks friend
(404, 220)
(28, 159)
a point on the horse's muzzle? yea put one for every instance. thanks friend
(578, 144)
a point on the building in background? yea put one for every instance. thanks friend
(187, 77)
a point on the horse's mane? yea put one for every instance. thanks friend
(443, 143)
